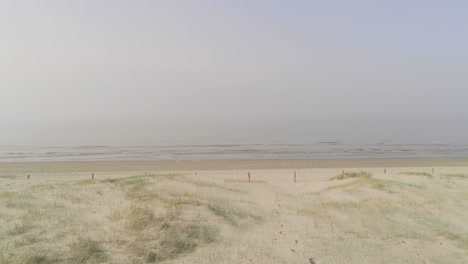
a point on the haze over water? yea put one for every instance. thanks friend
(112, 140)
(104, 80)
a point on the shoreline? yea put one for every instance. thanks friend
(253, 164)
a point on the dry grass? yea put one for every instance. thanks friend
(145, 220)
(348, 175)
(417, 173)
(231, 180)
(86, 250)
(182, 219)
(455, 176)
(10, 177)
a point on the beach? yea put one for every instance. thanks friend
(233, 132)
(235, 211)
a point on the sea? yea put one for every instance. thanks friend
(100, 141)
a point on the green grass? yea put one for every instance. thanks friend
(348, 175)
(135, 180)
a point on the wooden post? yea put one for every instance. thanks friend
(28, 176)
(294, 176)
(385, 171)
(249, 176)
(92, 176)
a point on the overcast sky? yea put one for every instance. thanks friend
(233, 60)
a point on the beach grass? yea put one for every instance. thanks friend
(177, 218)
(415, 173)
(348, 175)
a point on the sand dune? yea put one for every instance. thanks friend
(208, 212)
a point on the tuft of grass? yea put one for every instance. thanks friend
(19, 229)
(186, 239)
(459, 176)
(347, 175)
(460, 240)
(417, 173)
(86, 250)
(154, 256)
(214, 185)
(231, 214)
(38, 259)
(10, 177)
(136, 180)
(86, 182)
(139, 218)
(166, 177)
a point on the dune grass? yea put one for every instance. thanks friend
(86, 250)
(147, 221)
(403, 213)
(455, 176)
(415, 173)
(232, 180)
(348, 175)
(181, 219)
(10, 177)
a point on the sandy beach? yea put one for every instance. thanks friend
(233, 132)
(334, 211)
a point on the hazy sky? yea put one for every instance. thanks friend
(233, 60)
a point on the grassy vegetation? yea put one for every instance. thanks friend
(11, 177)
(149, 218)
(455, 176)
(182, 219)
(408, 213)
(417, 173)
(231, 180)
(347, 175)
(86, 250)
(460, 239)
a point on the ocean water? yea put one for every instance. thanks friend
(231, 150)
(117, 140)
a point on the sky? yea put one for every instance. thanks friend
(360, 63)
